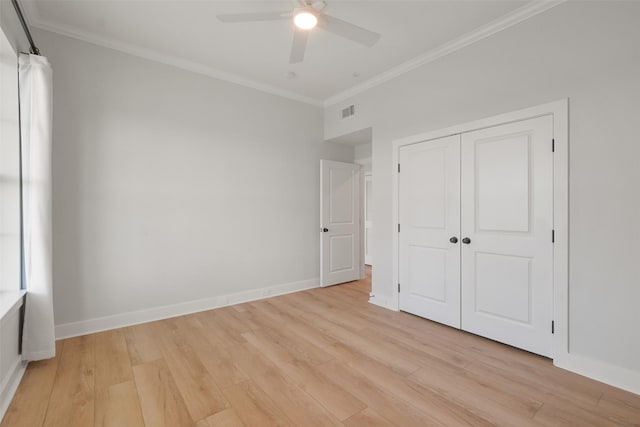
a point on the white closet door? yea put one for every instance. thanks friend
(429, 196)
(507, 214)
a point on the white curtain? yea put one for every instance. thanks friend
(38, 337)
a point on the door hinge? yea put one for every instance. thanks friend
(553, 236)
(398, 287)
(553, 145)
(553, 327)
(398, 167)
(398, 228)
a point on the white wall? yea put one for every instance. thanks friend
(587, 51)
(170, 187)
(362, 156)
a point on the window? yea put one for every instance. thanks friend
(9, 169)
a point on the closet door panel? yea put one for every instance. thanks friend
(507, 215)
(429, 197)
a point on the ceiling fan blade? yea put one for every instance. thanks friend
(348, 30)
(252, 17)
(298, 46)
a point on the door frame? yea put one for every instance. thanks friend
(559, 110)
(366, 176)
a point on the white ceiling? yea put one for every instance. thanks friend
(186, 33)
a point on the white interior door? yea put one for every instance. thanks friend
(507, 217)
(368, 221)
(429, 197)
(340, 222)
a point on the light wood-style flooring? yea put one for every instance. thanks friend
(324, 357)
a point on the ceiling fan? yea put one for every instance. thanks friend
(305, 17)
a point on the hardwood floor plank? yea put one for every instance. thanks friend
(254, 407)
(305, 330)
(199, 391)
(540, 390)
(247, 317)
(161, 402)
(367, 418)
(72, 399)
(539, 383)
(116, 397)
(113, 365)
(30, 403)
(408, 343)
(268, 347)
(317, 305)
(223, 369)
(620, 408)
(218, 334)
(566, 414)
(230, 321)
(118, 405)
(300, 348)
(250, 360)
(297, 405)
(332, 397)
(487, 403)
(226, 418)
(141, 344)
(384, 402)
(386, 354)
(444, 409)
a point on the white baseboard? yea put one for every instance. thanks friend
(607, 373)
(68, 330)
(387, 303)
(8, 389)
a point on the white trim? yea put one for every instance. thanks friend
(560, 112)
(607, 373)
(521, 14)
(8, 390)
(367, 176)
(561, 227)
(387, 303)
(10, 301)
(9, 383)
(68, 330)
(171, 60)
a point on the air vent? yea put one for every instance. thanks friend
(348, 112)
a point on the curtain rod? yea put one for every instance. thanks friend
(33, 48)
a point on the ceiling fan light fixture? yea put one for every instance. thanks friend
(305, 20)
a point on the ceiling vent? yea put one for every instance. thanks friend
(348, 112)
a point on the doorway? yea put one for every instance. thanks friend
(361, 143)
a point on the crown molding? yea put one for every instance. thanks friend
(521, 14)
(171, 60)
